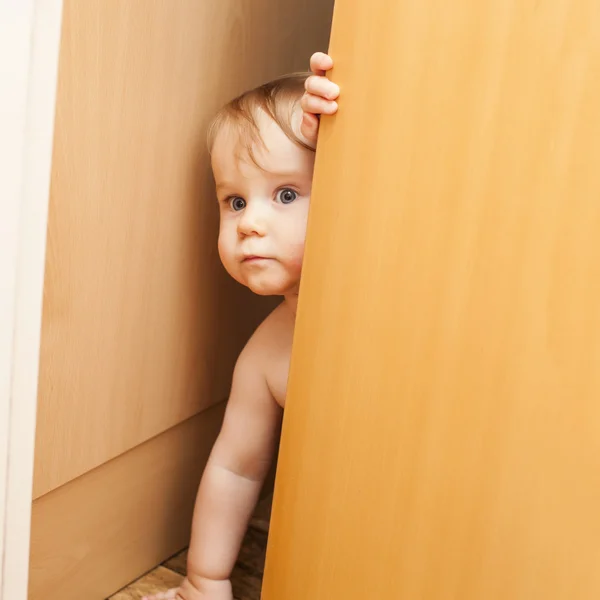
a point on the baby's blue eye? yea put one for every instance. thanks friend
(237, 203)
(286, 196)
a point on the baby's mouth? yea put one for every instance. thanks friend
(254, 258)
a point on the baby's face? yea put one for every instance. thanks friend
(263, 211)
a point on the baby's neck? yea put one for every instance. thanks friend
(291, 301)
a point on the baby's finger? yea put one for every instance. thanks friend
(318, 105)
(320, 62)
(321, 86)
(309, 128)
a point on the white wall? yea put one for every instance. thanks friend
(29, 43)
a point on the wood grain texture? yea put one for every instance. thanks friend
(105, 529)
(141, 325)
(442, 427)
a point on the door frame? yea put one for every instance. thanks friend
(29, 51)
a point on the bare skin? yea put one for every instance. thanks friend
(263, 216)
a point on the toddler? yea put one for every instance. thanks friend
(262, 155)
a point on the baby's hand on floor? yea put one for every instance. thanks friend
(168, 595)
(217, 590)
(320, 96)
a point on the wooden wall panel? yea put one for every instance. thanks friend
(141, 325)
(442, 428)
(97, 533)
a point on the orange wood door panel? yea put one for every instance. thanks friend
(442, 429)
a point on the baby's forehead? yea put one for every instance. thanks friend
(266, 141)
(238, 128)
(242, 172)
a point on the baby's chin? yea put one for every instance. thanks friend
(269, 289)
(276, 279)
(270, 286)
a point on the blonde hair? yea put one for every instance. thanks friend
(277, 98)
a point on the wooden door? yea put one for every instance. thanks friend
(141, 324)
(442, 430)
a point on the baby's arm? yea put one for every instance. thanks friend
(232, 481)
(320, 96)
(235, 472)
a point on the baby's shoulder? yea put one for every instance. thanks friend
(275, 334)
(263, 364)
(271, 349)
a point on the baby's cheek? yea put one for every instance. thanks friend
(298, 240)
(226, 254)
(226, 242)
(296, 257)
(222, 249)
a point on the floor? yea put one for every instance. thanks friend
(247, 575)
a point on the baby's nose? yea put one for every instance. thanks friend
(252, 222)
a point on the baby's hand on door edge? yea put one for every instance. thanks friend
(320, 96)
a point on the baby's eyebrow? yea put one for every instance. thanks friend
(283, 173)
